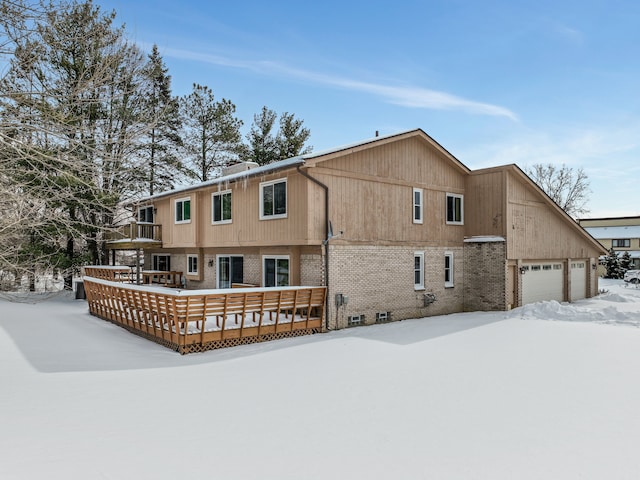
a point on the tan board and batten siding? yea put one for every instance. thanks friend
(371, 193)
(246, 228)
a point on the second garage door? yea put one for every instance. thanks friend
(542, 281)
(578, 280)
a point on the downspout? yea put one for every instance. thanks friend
(325, 242)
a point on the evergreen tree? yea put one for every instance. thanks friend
(264, 146)
(211, 136)
(292, 136)
(161, 163)
(625, 263)
(612, 264)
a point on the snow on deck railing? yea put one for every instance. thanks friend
(196, 320)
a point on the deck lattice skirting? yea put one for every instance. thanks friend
(189, 321)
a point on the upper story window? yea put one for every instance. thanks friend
(221, 207)
(418, 270)
(145, 214)
(417, 205)
(621, 242)
(448, 269)
(273, 199)
(455, 209)
(183, 210)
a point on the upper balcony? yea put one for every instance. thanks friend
(135, 235)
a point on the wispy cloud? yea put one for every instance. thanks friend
(406, 96)
(569, 33)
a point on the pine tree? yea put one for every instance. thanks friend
(612, 264)
(264, 146)
(625, 263)
(292, 137)
(161, 162)
(211, 136)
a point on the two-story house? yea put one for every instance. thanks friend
(620, 233)
(396, 227)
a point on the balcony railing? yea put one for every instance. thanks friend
(136, 232)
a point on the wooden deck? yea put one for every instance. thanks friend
(197, 320)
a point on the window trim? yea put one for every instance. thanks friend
(221, 194)
(286, 199)
(420, 284)
(276, 258)
(418, 219)
(154, 261)
(146, 207)
(451, 269)
(191, 256)
(626, 242)
(229, 256)
(175, 210)
(454, 196)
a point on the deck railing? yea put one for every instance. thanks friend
(198, 320)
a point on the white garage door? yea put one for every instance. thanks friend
(578, 280)
(542, 281)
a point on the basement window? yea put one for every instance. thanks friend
(382, 317)
(354, 320)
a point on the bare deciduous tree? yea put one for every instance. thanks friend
(568, 187)
(70, 120)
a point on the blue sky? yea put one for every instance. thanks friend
(494, 82)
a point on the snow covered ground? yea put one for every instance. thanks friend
(548, 391)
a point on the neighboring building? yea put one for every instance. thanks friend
(621, 233)
(395, 226)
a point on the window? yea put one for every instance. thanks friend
(382, 317)
(455, 212)
(161, 262)
(145, 214)
(353, 320)
(221, 207)
(230, 271)
(273, 199)
(183, 210)
(621, 242)
(192, 264)
(417, 205)
(448, 269)
(275, 271)
(418, 270)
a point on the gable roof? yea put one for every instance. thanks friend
(312, 159)
(520, 174)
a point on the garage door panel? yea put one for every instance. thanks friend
(578, 280)
(542, 281)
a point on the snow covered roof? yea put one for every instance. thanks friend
(614, 232)
(264, 169)
(484, 239)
